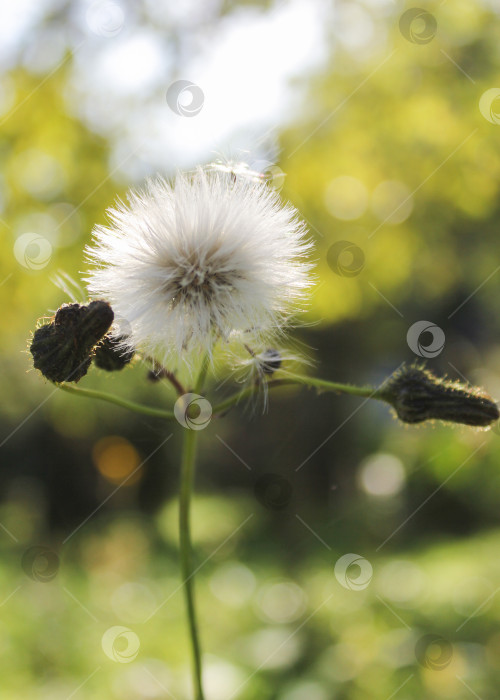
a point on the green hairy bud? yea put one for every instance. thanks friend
(418, 395)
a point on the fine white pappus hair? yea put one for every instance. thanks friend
(213, 254)
(256, 367)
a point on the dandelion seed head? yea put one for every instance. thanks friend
(213, 254)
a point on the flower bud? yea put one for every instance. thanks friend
(110, 355)
(88, 324)
(56, 355)
(417, 395)
(62, 349)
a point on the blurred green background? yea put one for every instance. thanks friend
(369, 117)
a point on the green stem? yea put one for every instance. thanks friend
(336, 387)
(203, 374)
(297, 379)
(110, 398)
(187, 478)
(186, 548)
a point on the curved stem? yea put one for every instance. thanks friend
(297, 379)
(124, 403)
(164, 373)
(187, 477)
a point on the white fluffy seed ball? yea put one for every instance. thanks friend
(213, 254)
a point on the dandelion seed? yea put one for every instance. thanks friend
(259, 366)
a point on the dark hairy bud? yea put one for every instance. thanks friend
(110, 354)
(62, 349)
(88, 324)
(418, 395)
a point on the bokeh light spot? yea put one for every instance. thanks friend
(392, 202)
(382, 475)
(116, 459)
(346, 198)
